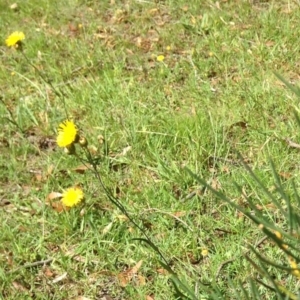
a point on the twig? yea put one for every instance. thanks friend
(291, 143)
(233, 259)
(34, 264)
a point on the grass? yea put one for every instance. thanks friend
(214, 93)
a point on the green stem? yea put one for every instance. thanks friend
(121, 207)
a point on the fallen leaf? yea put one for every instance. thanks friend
(125, 277)
(60, 278)
(122, 218)
(53, 195)
(107, 228)
(270, 206)
(215, 184)
(285, 175)
(56, 205)
(162, 271)
(19, 287)
(81, 169)
(47, 272)
(38, 177)
(124, 151)
(50, 170)
(179, 213)
(141, 280)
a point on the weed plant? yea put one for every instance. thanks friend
(148, 151)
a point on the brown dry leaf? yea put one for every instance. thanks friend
(119, 16)
(270, 206)
(60, 278)
(215, 184)
(48, 272)
(149, 297)
(10, 259)
(122, 218)
(73, 29)
(38, 177)
(176, 191)
(141, 280)
(43, 115)
(144, 44)
(125, 277)
(82, 298)
(185, 8)
(52, 196)
(50, 170)
(58, 206)
(270, 43)
(285, 175)
(225, 169)
(19, 287)
(124, 151)
(153, 11)
(131, 229)
(162, 271)
(107, 228)
(240, 215)
(81, 169)
(179, 213)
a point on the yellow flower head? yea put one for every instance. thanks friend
(160, 58)
(15, 39)
(67, 134)
(72, 196)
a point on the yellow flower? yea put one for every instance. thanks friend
(67, 134)
(160, 58)
(15, 39)
(72, 197)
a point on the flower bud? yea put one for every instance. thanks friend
(83, 141)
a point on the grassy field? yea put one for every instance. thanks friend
(157, 88)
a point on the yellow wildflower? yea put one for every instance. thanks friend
(160, 58)
(67, 134)
(72, 197)
(15, 39)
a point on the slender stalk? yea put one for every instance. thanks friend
(117, 203)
